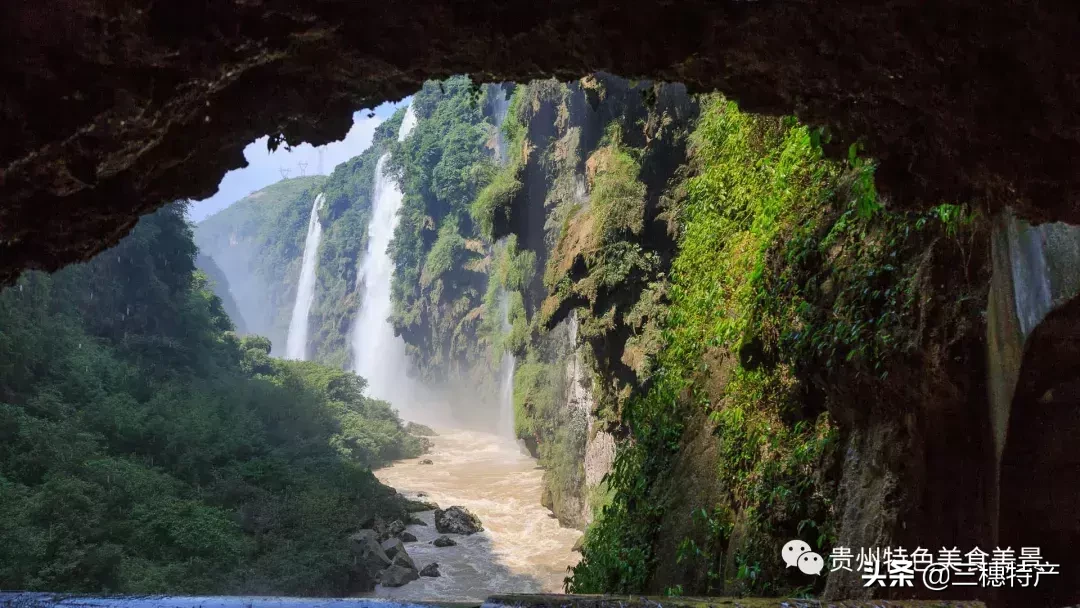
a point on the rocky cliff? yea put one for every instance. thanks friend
(723, 338)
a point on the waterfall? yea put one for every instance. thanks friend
(296, 343)
(378, 355)
(500, 106)
(506, 374)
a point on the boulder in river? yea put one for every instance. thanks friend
(407, 537)
(392, 547)
(395, 528)
(426, 461)
(416, 521)
(369, 559)
(444, 541)
(430, 570)
(402, 559)
(396, 576)
(457, 520)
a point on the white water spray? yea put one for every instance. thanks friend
(500, 107)
(296, 343)
(506, 375)
(378, 355)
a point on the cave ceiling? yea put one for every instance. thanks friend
(111, 108)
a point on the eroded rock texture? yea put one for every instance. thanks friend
(110, 108)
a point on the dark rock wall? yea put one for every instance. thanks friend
(111, 108)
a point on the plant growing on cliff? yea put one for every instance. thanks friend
(786, 260)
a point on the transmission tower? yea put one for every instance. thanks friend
(303, 168)
(284, 173)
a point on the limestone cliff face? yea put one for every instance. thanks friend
(599, 448)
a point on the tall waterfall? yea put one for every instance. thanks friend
(506, 375)
(296, 343)
(500, 106)
(379, 355)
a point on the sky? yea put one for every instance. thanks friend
(264, 168)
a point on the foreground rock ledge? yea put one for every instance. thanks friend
(613, 601)
(110, 110)
(44, 600)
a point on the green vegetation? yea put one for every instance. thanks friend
(147, 449)
(540, 411)
(602, 233)
(440, 256)
(219, 284)
(699, 283)
(788, 266)
(491, 209)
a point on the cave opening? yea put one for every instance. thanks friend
(115, 111)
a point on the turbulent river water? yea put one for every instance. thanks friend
(523, 549)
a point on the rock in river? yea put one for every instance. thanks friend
(430, 570)
(407, 537)
(392, 547)
(395, 528)
(443, 541)
(402, 559)
(426, 461)
(370, 559)
(396, 576)
(457, 520)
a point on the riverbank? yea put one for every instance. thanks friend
(522, 549)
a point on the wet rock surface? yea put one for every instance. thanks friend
(395, 528)
(457, 520)
(397, 575)
(386, 563)
(392, 547)
(370, 559)
(114, 110)
(402, 559)
(444, 541)
(430, 570)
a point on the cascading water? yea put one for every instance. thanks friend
(500, 107)
(379, 355)
(522, 548)
(506, 375)
(296, 342)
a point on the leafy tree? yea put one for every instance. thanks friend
(145, 448)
